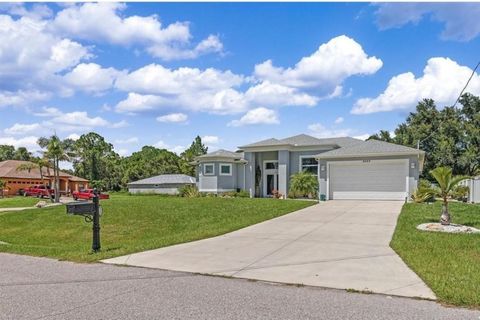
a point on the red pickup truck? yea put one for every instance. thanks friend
(38, 191)
(87, 194)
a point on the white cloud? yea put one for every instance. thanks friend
(442, 81)
(123, 152)
(22, 129)
(73, 121)
(73, 136)
(103, 22)
(274, 95)
(339, 120)
(162, 145)
(31, 56)
(127, 141)
(320, 131)
(91, 77)
(257, 116)
(210, 139)
(460, 19)
(173, 117)
(29, 142)
(362, 136)
(325, 69)
(21, 98)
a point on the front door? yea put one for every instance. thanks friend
(270, 178)
(272, 183)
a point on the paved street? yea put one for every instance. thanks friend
(39, 288)
(334, 244)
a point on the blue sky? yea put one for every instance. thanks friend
(162, 73)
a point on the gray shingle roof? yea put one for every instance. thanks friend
(221, 153)
(305, 140)
(166, 179)
(370, 147)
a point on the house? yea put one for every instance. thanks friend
(473, 185)
(346, 168)
(17, 180)
(162, 184)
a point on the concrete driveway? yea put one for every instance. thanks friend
(336, 244)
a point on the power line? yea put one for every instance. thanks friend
(461, 92)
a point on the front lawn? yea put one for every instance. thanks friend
(448, 263)
(134, 223)
(18, 202)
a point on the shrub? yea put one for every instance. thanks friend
(243, 194)
(189, 191)
(461, 193)
(304, 184)
(276, 194)
(422, 195)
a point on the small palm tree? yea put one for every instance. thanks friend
(446, 186)
(304, 184)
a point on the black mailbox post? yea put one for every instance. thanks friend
(91, 212)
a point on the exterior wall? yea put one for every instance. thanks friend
(160, 188)
(216, 182)
(15, 184)
(250, 173)
(413, 171)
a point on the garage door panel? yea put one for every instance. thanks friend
(381, 179)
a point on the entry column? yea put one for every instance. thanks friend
(283, 171)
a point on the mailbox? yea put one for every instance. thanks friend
(81, 208)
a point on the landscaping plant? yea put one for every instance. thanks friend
(447, 183)
(304, 184)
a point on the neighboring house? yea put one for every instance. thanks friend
(473, 189)
(346, 168)
(17, 180)
(162, 184)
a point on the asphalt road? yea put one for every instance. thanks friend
(37, 288)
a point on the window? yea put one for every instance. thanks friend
(225, 169)
(309, 164)
(270, 165)
(208, 169)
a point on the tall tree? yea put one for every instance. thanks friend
(383, 135)
(7, 152)
(197, 148)
(57, 150)
(22, 154)
(93, 156)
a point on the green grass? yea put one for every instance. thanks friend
(132, 224)
(448, 263)
(18, 202)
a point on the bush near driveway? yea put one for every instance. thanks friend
(448, 263)
(134, 223)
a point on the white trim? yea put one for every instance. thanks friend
(300, 158)
(209, 164)
(220, 169)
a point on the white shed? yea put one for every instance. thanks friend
(162, 184)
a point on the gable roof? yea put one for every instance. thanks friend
(305, 140)
(165, 179)
(370, 148)
(221, 154)
(8, 169)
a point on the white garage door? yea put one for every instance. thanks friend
(369, 180)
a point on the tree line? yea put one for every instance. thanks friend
(94, 158)
(450, 136)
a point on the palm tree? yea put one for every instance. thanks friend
(57, 150)
(38, 163)
(446, 185)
